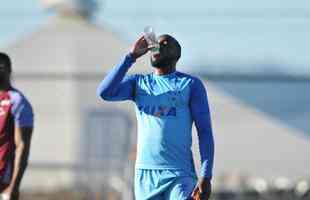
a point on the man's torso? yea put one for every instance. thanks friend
(164, 122)
(12, 105)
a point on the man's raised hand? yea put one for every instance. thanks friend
(139, 48)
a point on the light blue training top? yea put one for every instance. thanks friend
(166, 107)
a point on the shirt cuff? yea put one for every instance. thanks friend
(131, 58)
(205, 171)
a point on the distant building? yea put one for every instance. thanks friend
(59, 68)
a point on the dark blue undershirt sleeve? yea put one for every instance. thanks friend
(115, 86)
(201, 115)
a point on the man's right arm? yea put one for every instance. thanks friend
(115, 86)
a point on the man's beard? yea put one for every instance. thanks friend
(3, 80)
(162, 62)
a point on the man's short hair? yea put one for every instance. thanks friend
(176, 45)
(5, 62)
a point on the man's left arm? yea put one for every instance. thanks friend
(201, 115)
(22, 139)
(23, 120)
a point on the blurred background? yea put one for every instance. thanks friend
(253, 57)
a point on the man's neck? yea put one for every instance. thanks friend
(164, 71)
(5, 87)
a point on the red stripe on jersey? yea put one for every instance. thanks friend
(6, 135)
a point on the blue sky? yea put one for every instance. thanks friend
(239, 34)
(19, 17)
(229, 35)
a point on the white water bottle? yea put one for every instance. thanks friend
(150, 37)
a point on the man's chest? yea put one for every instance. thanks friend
(162, 99)
(5, 110)
(5, 105)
